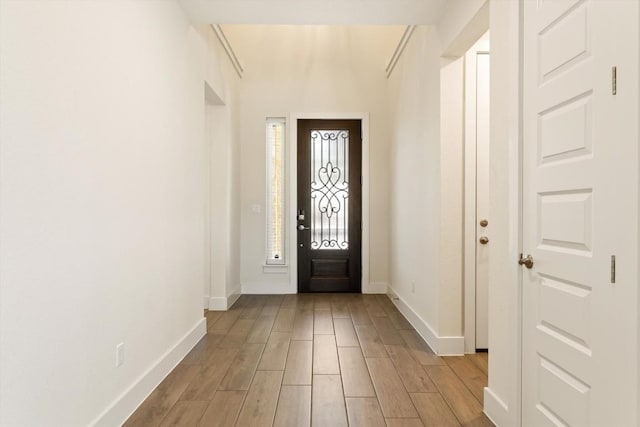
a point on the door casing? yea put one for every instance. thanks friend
(292, 155)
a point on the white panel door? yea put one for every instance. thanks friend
(580, 187)
(476, 194)
(482, 199)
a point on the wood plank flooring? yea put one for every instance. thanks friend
(320, 360)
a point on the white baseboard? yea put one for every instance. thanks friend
(217, 303)
(451, 346)
(375, 288)
(495, 408)
(222, 303)
(231, 299)
(206, 302)
(122, 408)
(442, 346)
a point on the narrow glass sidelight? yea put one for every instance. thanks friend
(329, 189)
(275, 138)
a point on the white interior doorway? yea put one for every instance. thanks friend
(477, 222)
(218, 241)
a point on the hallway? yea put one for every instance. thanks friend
(328, 359)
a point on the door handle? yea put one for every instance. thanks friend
(484, 240)
(302, 227)
(526, 261)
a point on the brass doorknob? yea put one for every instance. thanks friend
(484, 223)
(484, 240)
(526, 261)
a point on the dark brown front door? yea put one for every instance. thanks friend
(329, 221)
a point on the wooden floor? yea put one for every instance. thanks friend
(316, 359)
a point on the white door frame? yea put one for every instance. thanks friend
(216, 237)
(503, 396)
(292, 169)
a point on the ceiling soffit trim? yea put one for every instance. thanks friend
(399, 49)
(217, 29)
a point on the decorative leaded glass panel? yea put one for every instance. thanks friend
(330, 189)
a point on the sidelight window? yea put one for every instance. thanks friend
(275, 133)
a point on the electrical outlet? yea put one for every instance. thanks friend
(413, 287)
(119, 354)
(256, 208)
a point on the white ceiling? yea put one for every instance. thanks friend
(315, 12)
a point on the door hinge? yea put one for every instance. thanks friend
(613, 269)
(614, 80)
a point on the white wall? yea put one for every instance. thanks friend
(102, 194)
(414, 89)
(427, 159)
(309, 70)
(451, 196)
